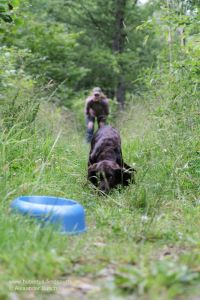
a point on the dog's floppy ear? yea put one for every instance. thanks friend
(92, 174)
(114, 166)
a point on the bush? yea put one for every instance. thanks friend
(18, 98)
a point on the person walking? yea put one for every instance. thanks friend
(96, 107)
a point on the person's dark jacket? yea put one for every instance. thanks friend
(96, 108)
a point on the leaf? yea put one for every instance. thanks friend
(6, 18)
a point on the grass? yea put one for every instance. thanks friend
(142, 242)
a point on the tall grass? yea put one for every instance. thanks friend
(129, 231)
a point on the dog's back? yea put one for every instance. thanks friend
(106, 144)
(106, 168)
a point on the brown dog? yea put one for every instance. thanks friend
(106, 168)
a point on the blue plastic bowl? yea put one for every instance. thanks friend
(66, 214)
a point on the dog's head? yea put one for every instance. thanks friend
(108, 174)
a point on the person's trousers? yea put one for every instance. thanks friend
(90, 131)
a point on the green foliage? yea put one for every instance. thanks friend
(53, 50)
(5, 8)
(17, 99)
(73, 43)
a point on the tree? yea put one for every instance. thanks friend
(119, 38)
(84, 43)
(109, 44)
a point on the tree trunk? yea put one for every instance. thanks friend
(121, 91)
(183, 39)
(119, 38)
(169, 37)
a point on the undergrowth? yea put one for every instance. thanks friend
(148, 233)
